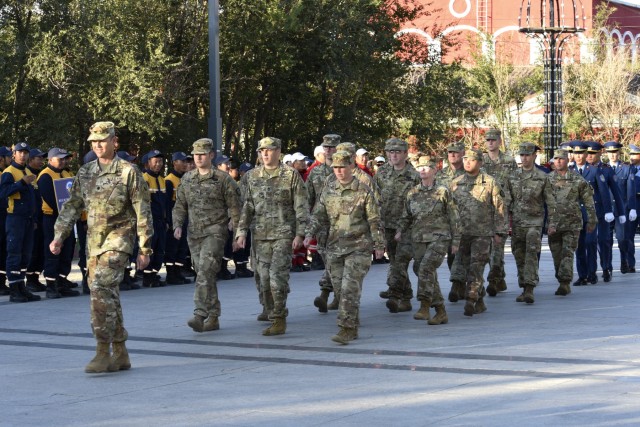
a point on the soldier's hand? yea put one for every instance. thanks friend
(307, 242)
(55, 246)
(551, 231)
(235, 247)
(28, 179)
(622, 219)
(454, 250)
(240, 241)
(379, 253)
(142, 261)
(177, 233)
(609, 217)
(497, 239)
(398, 236)
(230, 226)
(633, 215)
(297, 243)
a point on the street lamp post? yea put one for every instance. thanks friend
(551, 23)
(215, 122)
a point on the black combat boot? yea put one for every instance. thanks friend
(52, 290)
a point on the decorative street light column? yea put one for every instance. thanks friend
(551, 23)
(215, 121)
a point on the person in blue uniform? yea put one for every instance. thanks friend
(634, 158)
(626, 184)
(176, 250)
(5, 161)
(35, 165)
(608, 179)
(17, 186)
(56, 267)
(154, 164)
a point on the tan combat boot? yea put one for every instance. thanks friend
(441, 316)
(321, 301)
(211, 324)
(492, 289)
(480, 306)
(564, 289)
(472, 298)
(528, 294)
(345, 335)
(385, 294)
(404, 305)
(423, 312)
(501, 285)
(335, 304)
(520, 298)
(196, 323)
(120, 358)
(264, 316)
(278, 327)
(457, 291)
(101, 361)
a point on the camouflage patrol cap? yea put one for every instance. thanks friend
(341, 159)
(100, 131)
(202, 146)
(561, 154)
(270, 143)
(493, 133)
(331, 140)
(455, 147)
(425, 161)
(395, 144)
(527, 148)
(349, 147)
(473, 154)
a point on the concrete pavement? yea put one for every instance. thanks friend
(566, 361)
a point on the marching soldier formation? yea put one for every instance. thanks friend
(342, 205)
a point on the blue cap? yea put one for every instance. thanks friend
(179, 155)
(579, 146)
(59, 153)
(594, 147)
(126, 156)
(566, 146)
(245, 167)
(612, 146)
(5, 151)
(221, 159)
(35, 152)
(634, 149)
(89, 157)
(21, 146)
(150, 155)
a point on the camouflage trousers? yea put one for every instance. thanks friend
(563, 245)
(471, 259)
(428, 257)
(106, 271)
(525, 245)
(347, 274)
(400, 254)
(325, 280)
(496, 262)
(206, 256)
(273, 260)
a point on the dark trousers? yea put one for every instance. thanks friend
(56, 265)
(82, 245)
(19, 232)
(36, 264)
(158, 245)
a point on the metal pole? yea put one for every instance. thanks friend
(215, 122)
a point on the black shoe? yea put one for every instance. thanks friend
(34, 285)
(581, 282)
(593, 280)
(188, 272)
(624, 268)
(15, 293)
(243, 271)
(631, 270)
(606, 276)
(52, 290)
(225, 274)
(296, 269)
(28, 295)
(68, 283)
(65, 289)
(124, 286)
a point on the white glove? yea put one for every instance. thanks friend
(632, 215)
(622, 219)
(609, 217)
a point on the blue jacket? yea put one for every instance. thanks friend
(601, 191)
(626, 183)
(21, 197)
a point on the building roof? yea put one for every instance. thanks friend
(630, 3)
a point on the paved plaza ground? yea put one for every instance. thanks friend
(563, 361)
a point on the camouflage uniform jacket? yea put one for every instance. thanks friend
(529, 191)
(316, 181)
(430, 214)
(394, 186)
(208, 200)
(571, 192)
(500, 169)
(445, 175)
(116, 199)
(276, 206)
(480, 205)
(352, 216)
(364, 178)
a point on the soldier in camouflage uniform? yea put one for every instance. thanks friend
(395, 179)
(276, 211)
(206, 197)
(570, 192)
(529, 189)
(444, 176)
(431, 216)
(116, 199)
(348, 209)
(315, 184)
(482, 220)
(499, 165)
